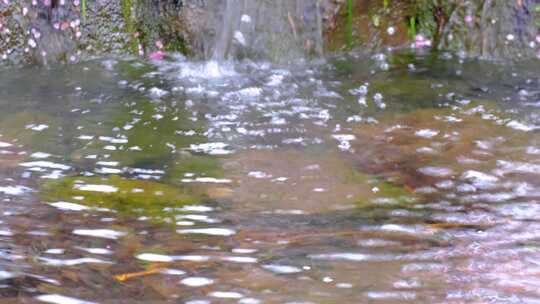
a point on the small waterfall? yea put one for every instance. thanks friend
(275, 30)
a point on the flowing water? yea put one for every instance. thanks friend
(279, 30)
(410, 178)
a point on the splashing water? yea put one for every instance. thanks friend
(179, 181)
(275, 30)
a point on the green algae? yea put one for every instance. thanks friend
(157, 134)
(132, 197)
(382, 191)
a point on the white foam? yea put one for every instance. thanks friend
(283, 269)
(192, 258)
(39, 155)
(197, 208)
(426, 133)
(101, 233)
(239, 37)
(208, 231)
(107, 163)
(357, 257)
(45, 164)
(175, 272)
(71, 262)
(36, 127)
(207, 180)
(436, 171)
(245, 18)
(244, 250)
(96, 188)
(69, 206)
(259, 174)
(196, 281)
(157, 92)
(240, 259)
(59, 299)
(85, 137)
(114, 140)
(55, 251)
(102, 251)
(151, 257)
(226, 295)
(197, 217)
(14, 190)
(6, 275)
(216, 148)
(516, 125)
(105, 170)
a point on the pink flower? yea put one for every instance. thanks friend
(157, 56)
(159, 44)
(420, 41)
(469, 19)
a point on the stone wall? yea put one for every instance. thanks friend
(50, 31)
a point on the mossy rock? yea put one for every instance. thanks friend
(155, 137)
(126, 196)
(384, 192)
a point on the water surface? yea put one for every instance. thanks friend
(402, 179)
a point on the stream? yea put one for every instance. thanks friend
(410, 177)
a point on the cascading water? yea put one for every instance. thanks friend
(271, 30)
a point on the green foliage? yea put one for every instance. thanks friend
(411, 29)
(83, 9)
(428, 16)
(126, 6)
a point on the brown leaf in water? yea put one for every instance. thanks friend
(133, 275)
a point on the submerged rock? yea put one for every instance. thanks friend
(428, 146)
(125, 196)
(295, 182)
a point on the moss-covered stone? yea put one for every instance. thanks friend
(128, 197)
(154, 134)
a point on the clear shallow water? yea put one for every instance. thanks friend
(355, 180)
